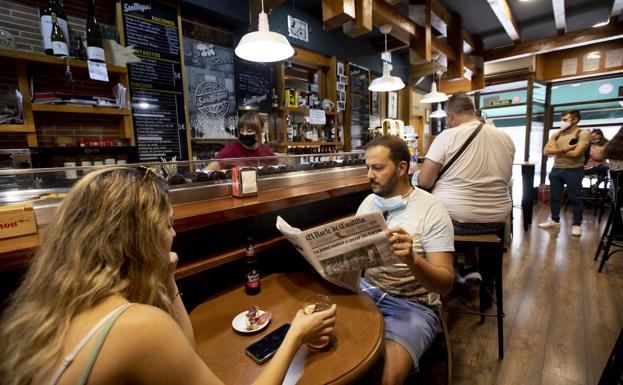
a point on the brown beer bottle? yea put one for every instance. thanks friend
(252, 278)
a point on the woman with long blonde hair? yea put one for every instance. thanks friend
(99, 304)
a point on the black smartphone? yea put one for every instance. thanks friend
(573, 141)
(263, 349)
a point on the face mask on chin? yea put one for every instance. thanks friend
(389, 204)
(564, 125)
(248, 140)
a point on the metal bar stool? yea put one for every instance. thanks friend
(613, 232)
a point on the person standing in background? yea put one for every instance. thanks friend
(567, 146)
(596, 163)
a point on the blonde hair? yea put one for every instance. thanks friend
(105, 239)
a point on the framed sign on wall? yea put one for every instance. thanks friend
(392, 105)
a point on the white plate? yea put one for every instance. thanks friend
(239, 322)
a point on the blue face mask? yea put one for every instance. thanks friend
(385, 205)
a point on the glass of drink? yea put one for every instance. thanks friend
(313, 304)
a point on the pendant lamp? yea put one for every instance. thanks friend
(387, 82)
(438, 113)
(262, 45)
(433, 96)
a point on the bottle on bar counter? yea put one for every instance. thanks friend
(57, 37)
(45, 18)
(252, 277)
(95, 49)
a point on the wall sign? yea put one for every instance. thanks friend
(156, 87)
(500, 102)
(298, 29)
(359, 79)
(253, 86)
(210, 79)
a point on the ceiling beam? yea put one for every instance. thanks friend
(422, 48)
(559, 16)
(568, 40)
(617, 8)
(403, 28)
(505, 17)
(455, 41)
(336, 13)
(363, 19)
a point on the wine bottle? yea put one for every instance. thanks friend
(57, 37)
(95, 49)
(45, 17)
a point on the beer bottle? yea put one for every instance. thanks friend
(252, 277)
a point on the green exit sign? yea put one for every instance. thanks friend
(501, 102)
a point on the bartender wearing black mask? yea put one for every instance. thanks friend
(249, 144)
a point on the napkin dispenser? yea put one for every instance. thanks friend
(244, 181)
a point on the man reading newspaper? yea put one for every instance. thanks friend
(419, 232)
(404, 239)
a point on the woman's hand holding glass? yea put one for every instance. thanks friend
(315, 326)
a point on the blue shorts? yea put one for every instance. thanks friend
(411, 324)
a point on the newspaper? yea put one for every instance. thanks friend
(339, 250)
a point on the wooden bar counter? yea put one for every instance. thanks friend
(357, 343)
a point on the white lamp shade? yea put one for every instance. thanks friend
(264, 46)
(438, 113)
(433, 96)
(387, 82)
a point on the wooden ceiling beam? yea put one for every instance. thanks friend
(422, 48)
(505, 17)
(559, 16)
(363, 19)
(336, 13)
(455, 41)
(568, 40)
(403, 28)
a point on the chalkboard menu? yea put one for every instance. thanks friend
(359, 104)
(253, 86)
(156, 87)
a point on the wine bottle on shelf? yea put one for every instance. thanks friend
(45, 18)
(275, 99)
(95, 49)
(57, 37)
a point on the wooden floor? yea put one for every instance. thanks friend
(562, 316)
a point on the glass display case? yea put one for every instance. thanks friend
(189, 181)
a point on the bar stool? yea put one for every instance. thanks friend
(613, 232)
(491, 252)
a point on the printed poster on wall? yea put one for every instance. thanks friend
(210, 86)
(359, 105)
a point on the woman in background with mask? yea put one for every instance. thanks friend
(596, 164)
(249, 144)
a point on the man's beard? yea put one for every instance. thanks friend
(386, 190)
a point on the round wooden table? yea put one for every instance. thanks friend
(358, 331)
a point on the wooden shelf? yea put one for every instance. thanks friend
(79, 109)
(297, 78)
(304, 110)
(17, 127)
(54, 60)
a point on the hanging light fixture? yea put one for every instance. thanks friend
(438, 113)
(262, 45)
(433, 96)
(387, 82)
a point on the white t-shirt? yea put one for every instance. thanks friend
(429, 224)
(475, 189)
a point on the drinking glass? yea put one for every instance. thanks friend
(313, 304)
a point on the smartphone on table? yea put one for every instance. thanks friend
(266, 347)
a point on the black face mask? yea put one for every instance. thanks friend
(248, 140)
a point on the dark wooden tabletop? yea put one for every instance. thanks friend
(358, 331)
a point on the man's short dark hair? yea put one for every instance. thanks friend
(460, 104)
(398, 150)
(574, 113)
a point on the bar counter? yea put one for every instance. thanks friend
(15, 252)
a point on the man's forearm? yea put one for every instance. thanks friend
(438, 279)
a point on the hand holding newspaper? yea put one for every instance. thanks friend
(339, 250)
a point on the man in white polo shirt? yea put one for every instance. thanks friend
(474, 188)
